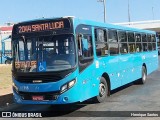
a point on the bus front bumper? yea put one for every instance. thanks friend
(70, 96)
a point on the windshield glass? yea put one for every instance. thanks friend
(42, 54)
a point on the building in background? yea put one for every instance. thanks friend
(4, 32)
(148, 25)
(5, 46)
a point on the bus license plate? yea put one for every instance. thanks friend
(38, 98)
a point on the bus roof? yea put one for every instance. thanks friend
(111, 26)
(93, 23)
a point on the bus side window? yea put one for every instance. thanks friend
(149, 42)
(138, 42)
(153, 39)
(113, 42)
(101, 42)
(144, 42)
(131, 42)
(123, 42)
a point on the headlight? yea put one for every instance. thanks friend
(67, 86)
(64, 88)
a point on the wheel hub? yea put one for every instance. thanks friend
(102, 89)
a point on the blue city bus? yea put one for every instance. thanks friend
(68, 60)
(5, 55)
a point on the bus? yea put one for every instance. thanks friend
(5, 55)
(69, 60)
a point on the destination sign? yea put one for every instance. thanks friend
(43, 26)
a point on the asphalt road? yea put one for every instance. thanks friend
(131, 97)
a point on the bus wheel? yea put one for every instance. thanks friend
(103, 91)
(144, 76)
(7, 62)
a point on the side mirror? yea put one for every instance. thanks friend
(84, 44)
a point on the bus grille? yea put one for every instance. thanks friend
(41, 78)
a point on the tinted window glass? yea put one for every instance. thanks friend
(122, 36)
(101, 42)
(138, 47)
(123, 48)
(145, 47)
(100, 35)
(138, 37)
(153, 38)
(149, 38)
(112, 36)
(149, 46)
(131, 37)
(131, 47)
(113, 48)
(144, 38)
(102, 49)
(154, 46)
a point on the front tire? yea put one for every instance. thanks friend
(7, 62)
(103, 91)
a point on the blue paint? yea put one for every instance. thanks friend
(121, 70)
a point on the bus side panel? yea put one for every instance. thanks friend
(151, 60)
(130, 67)
(89, 82)
(110, 65)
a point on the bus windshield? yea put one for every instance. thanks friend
(45, 53)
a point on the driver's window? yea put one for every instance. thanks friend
(85, 46)
(85, 50)
(21, 49)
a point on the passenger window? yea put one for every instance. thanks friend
(138, 47)
(122, 36)
(131, 37)
(138, 37)
(123, 48)
(149, 38)
(113, 48)
(101, 42)
(123, 42)
(150, 46)
(112, 36)
(144, 38)
(153, 39)
(145, 47)
(154, 46)
(138, 42)
(100, 35)
(113, 42)
(131, 47)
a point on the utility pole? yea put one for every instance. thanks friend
(153, 12)
(129, 17)
(104, 5)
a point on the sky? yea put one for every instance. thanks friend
(117, 10)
